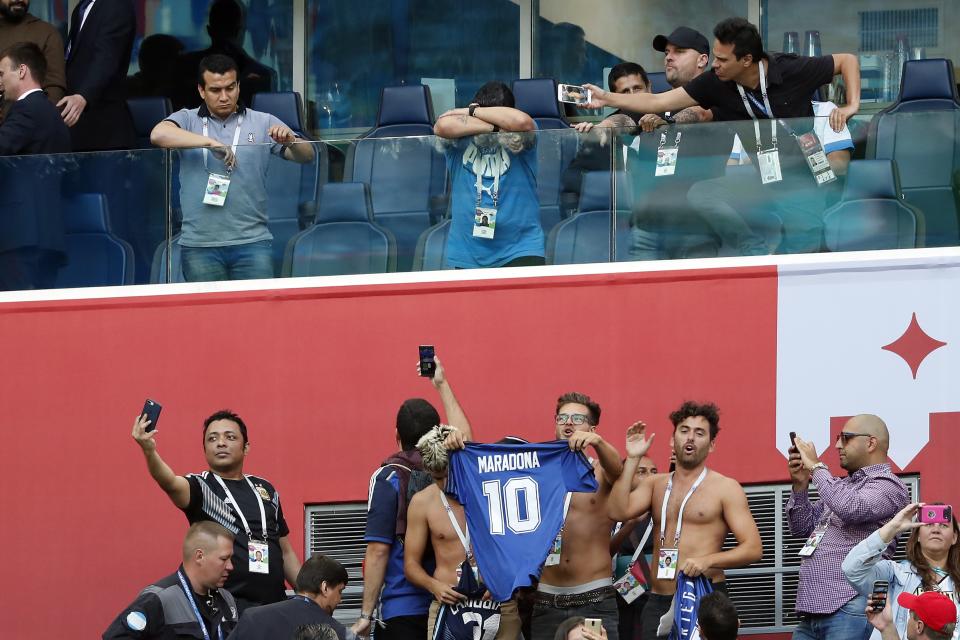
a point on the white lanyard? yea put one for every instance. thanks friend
(663, 140)
(766, 105)
(236, 505)
(464, 537)
(233, 147)
(494, 191)
(683, 505)
(196, 611)
(643, 542)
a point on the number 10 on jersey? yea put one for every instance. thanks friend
(514, 504)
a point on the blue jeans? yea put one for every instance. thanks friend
(849, 622)
(234, 262)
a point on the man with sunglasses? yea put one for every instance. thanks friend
(849, 509)
(576, 578)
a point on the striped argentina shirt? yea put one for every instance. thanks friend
(853, 507)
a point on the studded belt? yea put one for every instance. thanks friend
(570, 600)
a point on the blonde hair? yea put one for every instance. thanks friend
(431, 448)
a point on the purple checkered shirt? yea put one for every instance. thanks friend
(859, 505)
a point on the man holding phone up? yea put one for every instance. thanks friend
(849, 510)
(247, 506)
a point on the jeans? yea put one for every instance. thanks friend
(234, 262)
(848, 622)
(546, 618)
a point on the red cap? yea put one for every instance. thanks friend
(934, 609)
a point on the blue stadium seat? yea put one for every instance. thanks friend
(147, 113)
(158, 269)
(920, 132)
(871, 214)
(291, 187)
(585, 236)
(95, 256)
(407, 177)
(344, 239)
(431, 250)
(537, 97)
(658, 82)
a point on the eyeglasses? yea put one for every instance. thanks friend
(573, 418)
(846, 436)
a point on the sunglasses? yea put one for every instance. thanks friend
(846, 436)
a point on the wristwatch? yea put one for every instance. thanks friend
(472, 107)
(367, 616)
(819, 465)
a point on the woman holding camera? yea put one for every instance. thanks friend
(932, 564)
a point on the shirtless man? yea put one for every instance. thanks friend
(581, 583)
(715, 505)
(428, 521)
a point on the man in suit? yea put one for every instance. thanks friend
(18, 25)
(98, 54)
(31, 227)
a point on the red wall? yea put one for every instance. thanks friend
(318, 375)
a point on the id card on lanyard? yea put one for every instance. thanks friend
(188, 591)
(667, 156)
(464, 540)
(633, 584)
(553, 558)
(768, 161)
(485, 218)
(817, 536)
(218, 184)
(258, 551)
(668, 557)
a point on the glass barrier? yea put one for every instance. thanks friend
(553, 196)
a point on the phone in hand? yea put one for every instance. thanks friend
(428, 365)
(574, 94)
(593, 625)
(793, 440)
(880, 589)
(151, 409)
(936, 513)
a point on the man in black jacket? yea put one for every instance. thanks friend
(98, 55)
(31, 229)
(177, 606)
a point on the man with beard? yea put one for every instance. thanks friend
(701, 504)
(17, 25)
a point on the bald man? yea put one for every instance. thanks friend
(849, 509)
(178, 604)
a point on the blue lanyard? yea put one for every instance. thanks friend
(193, 603)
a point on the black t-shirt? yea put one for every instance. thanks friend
(207, 503)
(791, 81)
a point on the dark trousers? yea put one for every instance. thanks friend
(402, 628)
(656, 607)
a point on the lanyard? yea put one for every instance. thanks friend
(193, 603)
(493, 190)
(643, 542)
(233, 147)
(243, 519)
(683, 505)
(464, 538)
(766, 106)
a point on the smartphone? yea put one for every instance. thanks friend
(428, 365)
(593, 625)
(793, 439)
(936, 513)
(574, 94)
(880, 589)
(152, 410)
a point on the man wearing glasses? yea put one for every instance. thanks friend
(849, 510)
(576, 581)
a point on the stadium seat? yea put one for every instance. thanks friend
(407, 176)
(158, 269)
(871, 213)
(658, 82)
(920, 131)
(146, 114)
(431, 250)
(95, 256)
(291, 187)
(344, 239)
(537, 97)
(585, 236)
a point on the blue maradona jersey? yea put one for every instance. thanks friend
(513, 496)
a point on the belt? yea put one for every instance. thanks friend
(568, 600)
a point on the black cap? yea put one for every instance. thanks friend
(685, 38)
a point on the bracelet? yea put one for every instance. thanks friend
(471, 108)
(496, 129)
(819, 465)
(367, 616)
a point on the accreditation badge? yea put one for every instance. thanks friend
(816, 158)
(667, 564)
(216, 192)
(259, 554)
(769, 164)
(484, 222)
(812, 542)
(667, 161)
(632, 584)
(553, 558)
